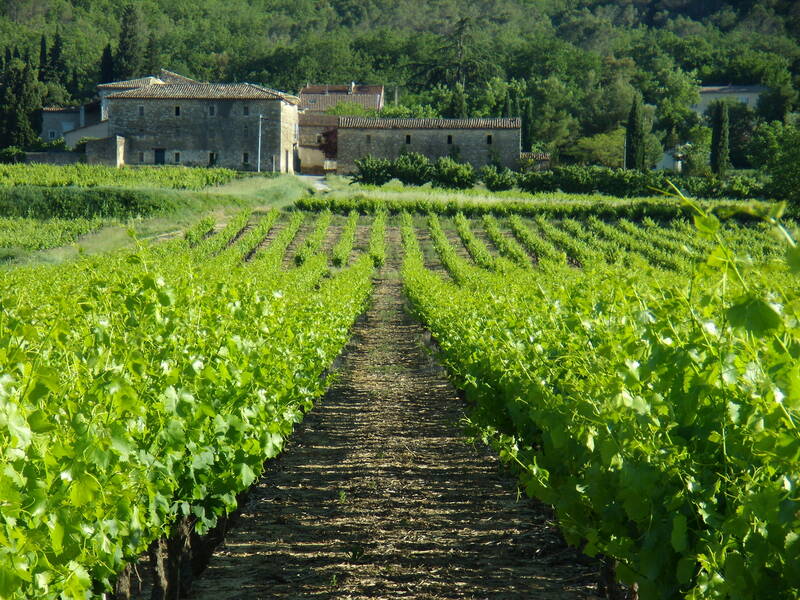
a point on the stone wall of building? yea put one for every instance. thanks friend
(56, 122)
(108, 151)
(478, 147)
(205, 132)
(97, 131)
(54, 158)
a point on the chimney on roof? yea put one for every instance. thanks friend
(352, 87)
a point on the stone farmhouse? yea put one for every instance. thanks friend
(213, 124)
(171, 119)
(477, 141)
(744, 94)
(319, 98)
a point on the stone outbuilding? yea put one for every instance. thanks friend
(477, 141)
(208, 124)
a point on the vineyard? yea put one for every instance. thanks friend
(633, 363)
(87, 176)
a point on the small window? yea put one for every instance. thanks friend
(449, 139)
(489, 139)
(141, 111)
(177, 111)
(408, 139)
(52, 135)
(369, 139)
(246, 130)
(245, 110)
(212, 111)
(177, 157)
(246, 158)
(212, 158)
(141, 157)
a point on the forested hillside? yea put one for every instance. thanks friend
(572, 66)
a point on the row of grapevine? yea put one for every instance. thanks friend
(144, 388)
(82, 175)
(657, 412)
(35, 234)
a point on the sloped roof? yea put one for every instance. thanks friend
(732, 89)
(342, 89)
(65, 109)
(317, 120)
(131, 83)
(319, 98)
(377, 123)
(210, 91)
(171, 77)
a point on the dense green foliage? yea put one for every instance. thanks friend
(149, 385)
(571, 70)
(657, 412)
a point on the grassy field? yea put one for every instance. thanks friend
(27, 241)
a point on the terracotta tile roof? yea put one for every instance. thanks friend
(210, 91)
(317, 120)
(732, 89)
(342, 89)
(70, 109)
(374, 123)
(131, 83)
(319, 98)
(171, 77)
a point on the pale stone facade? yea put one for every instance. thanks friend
(476, 141)
(206, 125)
(744, 94)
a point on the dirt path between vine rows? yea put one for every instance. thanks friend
(379, 496)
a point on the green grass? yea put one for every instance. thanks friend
(185, 208)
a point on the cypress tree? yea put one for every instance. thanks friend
(634, 137)
(516, 112)
(56, 64)
(8, 55)
(507, 109)
(132, 44)
(458, 103)
(720, 139)
(527, 127)
(19, 101)
(152, 59)
(107, 65)
(43, 59)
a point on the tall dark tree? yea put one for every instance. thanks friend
(132, 44)
(43, 59)
(56, 61)
(507, 107)
(152, 58)
(634, 137)
(527, 127)
(19, 102)
(720, 138)
(107, 65)
(458, 103)
(8, 55)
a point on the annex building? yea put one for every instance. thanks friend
(477, 141)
